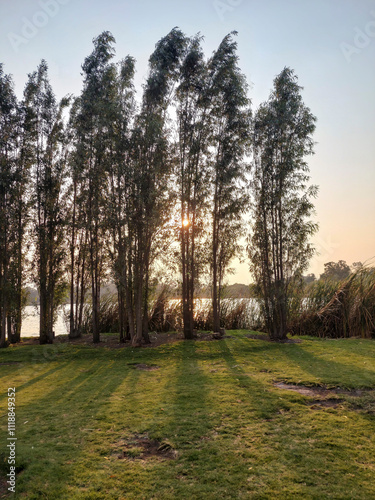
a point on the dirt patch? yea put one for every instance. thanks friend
(140, 447)
(301, 389)
(326, 403)
(328, 397)
(321, 390)
(143, 366)
(10, 363)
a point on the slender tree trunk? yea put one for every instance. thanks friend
(3, 290)
(43, 312)
(145, 334)
(3, 325)
(186, 284)
(138, 292)
(126, 301)
(43, 291)
(95, 308)
(95, 284)
(120, 301)
(215, 290)
(129, 295)
(16, 337)
(72, 330)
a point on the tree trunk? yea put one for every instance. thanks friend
(72, 330)
(137, 339)
(95, 311)
(215, 290)
(186, 286)
(19, 272)
(95, 285)
(145, 334)
(3, 325)
(44, 337)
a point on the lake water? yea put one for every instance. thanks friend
(30, 323)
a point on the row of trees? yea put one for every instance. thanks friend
(100, 185)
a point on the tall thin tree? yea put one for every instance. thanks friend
(44, 134)
(12, 213)
(152, 168)
(279, 247)
(229, 141)
(193, 176)
(93, 141)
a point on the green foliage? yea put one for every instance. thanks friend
(12, 212)
(336, 271)
(279, 247)
(229, 141)
(44, 143)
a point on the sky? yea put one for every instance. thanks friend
(330, 44)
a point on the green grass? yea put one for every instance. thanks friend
(234, 433)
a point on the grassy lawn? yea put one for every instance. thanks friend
(205, 422)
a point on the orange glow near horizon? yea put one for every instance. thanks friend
(185, 222)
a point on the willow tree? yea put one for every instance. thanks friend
(279, 246)
(229, 139)
(44, 141)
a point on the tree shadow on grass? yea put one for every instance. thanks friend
(330, 371)
(256, 391)
(193, 418)
(327, 371)
(281, 455)
(55, 427)
(36, 379)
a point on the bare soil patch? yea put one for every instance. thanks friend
(328, 397)
(143, 366)
(321, 390)
(140, 447)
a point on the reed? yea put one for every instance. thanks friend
(337, 309)
(165, 314)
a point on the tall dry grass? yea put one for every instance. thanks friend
(323, 309)
(337, 309)
(165, 314)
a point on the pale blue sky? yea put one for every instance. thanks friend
(307, 35)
